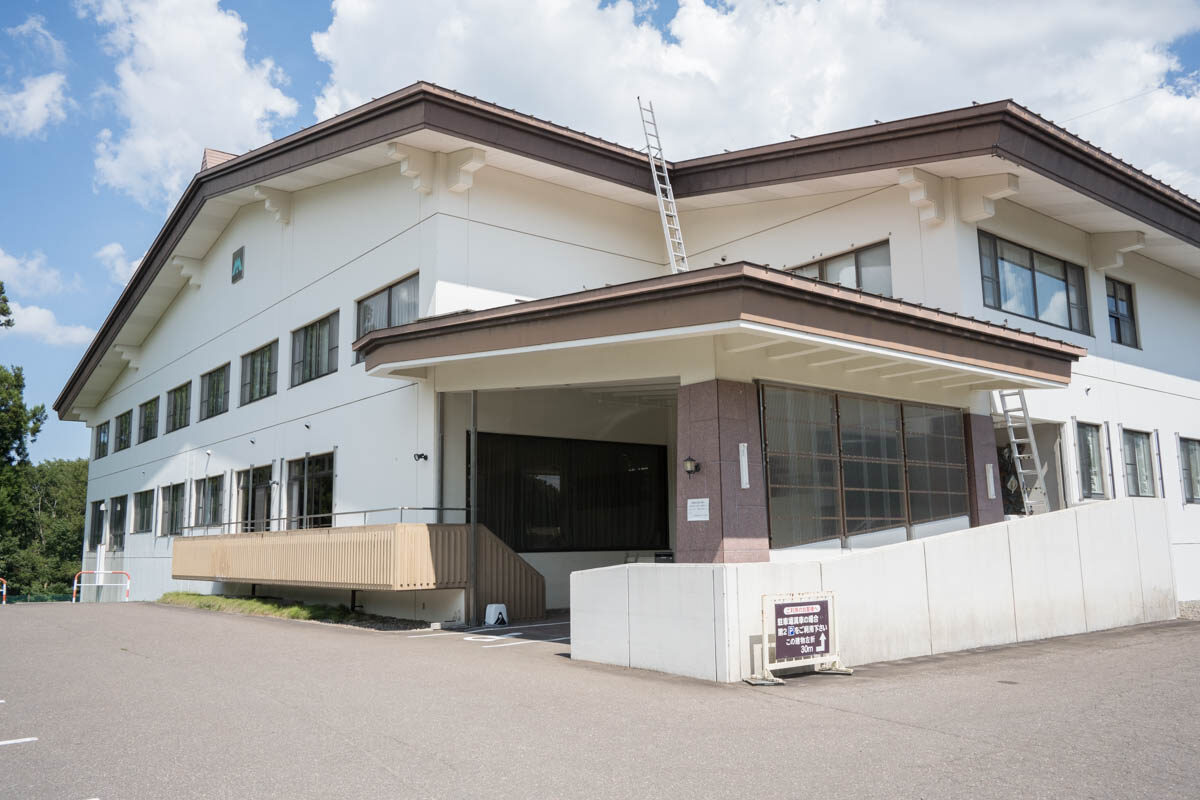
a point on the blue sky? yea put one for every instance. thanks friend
(726, 75)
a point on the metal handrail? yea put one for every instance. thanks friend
(296, 522)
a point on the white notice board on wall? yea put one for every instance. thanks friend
(697, 509)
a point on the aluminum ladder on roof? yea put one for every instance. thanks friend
(1030, 473)
(662, 189)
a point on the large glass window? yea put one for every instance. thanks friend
(1121, 324)
(1032, 284)
(936, 451)
(315, 350)
(868, 268)
(1189, 459)
(101, 436)
(209, 494)
(214, 392)
(116, 522)
(836, 464)
(310, 492)
(96, 532)
(254, 498)
(173, 501)
(179, 407)
(1139, 469)
(548, 494)
(396, 305)
(124, 431)
(147, 420)
(143, 511)
(1091, 469)
(259, 372)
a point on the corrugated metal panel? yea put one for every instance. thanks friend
(404, 557)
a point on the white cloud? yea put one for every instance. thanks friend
(34, 28)
(41, 101)
(120, 269)
(41, 324)
(25, 276)
(183, 83)
(749, 72)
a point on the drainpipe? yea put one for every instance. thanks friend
(473, 543)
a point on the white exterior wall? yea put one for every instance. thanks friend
(1104, 566)
(507, 237)
(1152, 388)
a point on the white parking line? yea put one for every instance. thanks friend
(18, 741)
(510, 644)
(518, 627)
(559, 639)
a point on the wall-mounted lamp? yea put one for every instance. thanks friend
(420, 457)
(691, 466)
(251, 440)
(307, 427)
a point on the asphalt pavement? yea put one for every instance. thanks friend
(137, 700)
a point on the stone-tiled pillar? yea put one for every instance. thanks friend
(981, 451)
(714, 417)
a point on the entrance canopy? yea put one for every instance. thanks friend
(735, 321)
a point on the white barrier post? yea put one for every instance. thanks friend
(76, 584)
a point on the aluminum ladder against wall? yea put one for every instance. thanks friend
(662, 189)
(1028, 465)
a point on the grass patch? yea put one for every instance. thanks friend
(288, 609)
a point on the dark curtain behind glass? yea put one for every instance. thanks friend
(545, 494)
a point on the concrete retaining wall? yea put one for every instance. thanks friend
(1088, 568)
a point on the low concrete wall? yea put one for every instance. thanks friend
(1098, 566)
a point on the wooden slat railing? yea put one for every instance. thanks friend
(401, 557)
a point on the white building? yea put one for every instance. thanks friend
(324, 324)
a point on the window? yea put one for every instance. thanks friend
(239, 265)
(395, 305)
(310, 492)
(209, 492)
(259, 372)
(143, 511)
(172, 502)
(936, 452)
(837, 464)
(1034, 285)
(315, 350)
(214, 392)
(1189, 459)
(148, 420)
(548, 494)
(1091, 471)
(124, 431)
(868, 268)
(101, 440)
(254, 498)
(116, 522)
(1121, 325)
(1139, 471)
(96, 532)
(179, 407)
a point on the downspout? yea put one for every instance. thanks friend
(473, 542)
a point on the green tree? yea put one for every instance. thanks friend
(6, 320)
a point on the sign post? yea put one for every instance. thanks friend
(803, 630)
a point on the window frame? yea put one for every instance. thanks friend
(246, 376)
(127, 438)
(168, 505)
(1085, 494)
(1069, 267)
(822, 265)
(142, 408)
(209, 508)
(302, 519)
(206, 411)
(1188, 476)
(173, 407)
(415, 277)
(96, 526)
(100, 441)
(299, 345)
(840, 459)
(237, 265)
(116, 538)
(137, 510)
(1131, 317)
(1125, 462)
